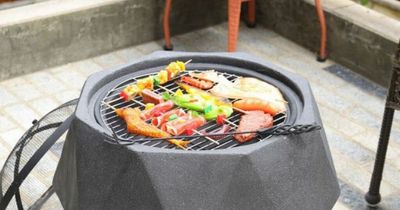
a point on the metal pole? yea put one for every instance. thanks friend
(373, 196)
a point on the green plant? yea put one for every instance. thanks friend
(364, 2)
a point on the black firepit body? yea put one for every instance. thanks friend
(280, 172)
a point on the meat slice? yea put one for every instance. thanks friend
(252, 121)
(151, 97)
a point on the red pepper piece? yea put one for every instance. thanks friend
(124, 96)
(220, 119)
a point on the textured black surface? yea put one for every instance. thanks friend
(285, 172)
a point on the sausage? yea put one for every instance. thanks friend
(252, 121)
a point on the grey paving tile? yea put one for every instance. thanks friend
(23, 90)
(311, 71)
(331, 99)
(339, 122)
(67, 95)
(6, 123)
(11, 137)
(86, 67)
(362, 98)
(22, 114)
(43, 105)
(340, 206)
(6, 97)
(4, 151)
(357, 80)
(369, 139)
(347, 147)
(129, 54)
(395, 135)
(108, 61)
(360, 115)
(149, 47)
(352, 173)
(185, 43)
(46, 82)
(70, 78)
(210, 40)
(351, 197)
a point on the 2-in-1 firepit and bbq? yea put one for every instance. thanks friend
(104, 165)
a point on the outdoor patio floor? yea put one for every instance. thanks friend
(351, 107)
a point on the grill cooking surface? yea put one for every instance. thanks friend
(118, 126)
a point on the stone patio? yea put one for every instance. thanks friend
(351, 107)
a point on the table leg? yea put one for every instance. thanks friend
(373, 196)
(167, 36)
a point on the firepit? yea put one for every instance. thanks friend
(269, 172)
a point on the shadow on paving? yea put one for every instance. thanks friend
(357, 80)
(354, 199)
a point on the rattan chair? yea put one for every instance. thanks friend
(234, 9)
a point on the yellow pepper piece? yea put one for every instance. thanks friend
(181, 65)
(131, 89)
(178, 92)
(149, 106)
(163, 76)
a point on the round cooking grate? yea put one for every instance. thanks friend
(111, 121)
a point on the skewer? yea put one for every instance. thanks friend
(187, 62)
(195, 131)
(168, 138)
(208, 138)
(116, 99)
(109, 105)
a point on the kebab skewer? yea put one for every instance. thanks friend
(162, 77)
(136, 125)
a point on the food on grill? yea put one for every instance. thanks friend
(248, 87)
(220, 119)
(167, 116)
(173, 69)
(204, 94)
(190, 101)
(157, 110)
(223, 130)
(209, 75)
(185, 124)
(149, 96)
(210, 106)
(148, 106)
(213, 111)
(137, 126)
(252, 121)
(199, 83)
(253, 104)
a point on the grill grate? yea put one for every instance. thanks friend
(118, 126)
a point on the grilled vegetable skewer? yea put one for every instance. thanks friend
(165, 75)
